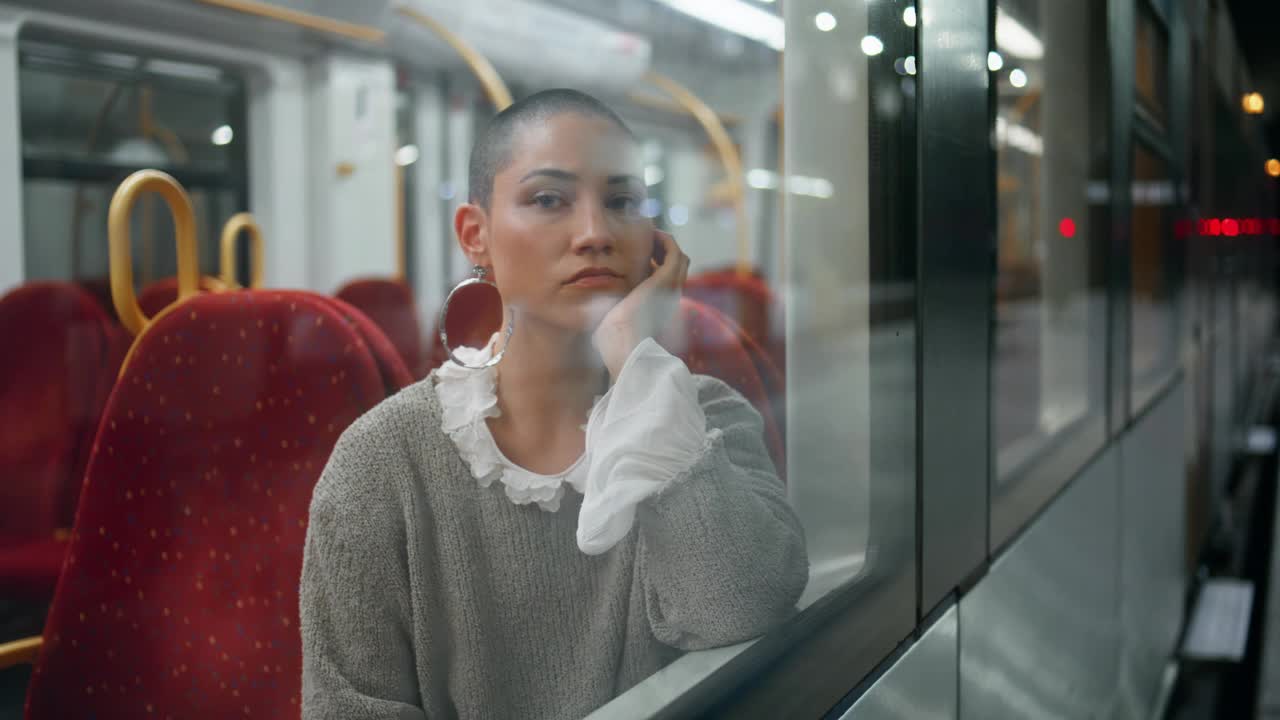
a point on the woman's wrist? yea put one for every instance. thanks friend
(615, 344)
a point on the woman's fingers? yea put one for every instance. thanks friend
(675, 264)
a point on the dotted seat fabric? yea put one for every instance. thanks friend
(395, 374)
(390, 305)
(54, 380)
(179, 596)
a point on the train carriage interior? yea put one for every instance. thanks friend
(993, 282)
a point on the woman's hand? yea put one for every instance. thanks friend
(646, 309)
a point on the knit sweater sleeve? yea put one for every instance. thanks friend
(721, 553)
(357, 652)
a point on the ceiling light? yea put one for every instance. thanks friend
(825, 21)
(407, 155)
(1253, 103)
(910, 64)
(1017, 78)
(223, 135)
(994, 61)
(1015, 39)
(909, 16)
(736, 16)
(871, 45)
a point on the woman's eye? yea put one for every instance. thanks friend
(624, 203)
(547, 201)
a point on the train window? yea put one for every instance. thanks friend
(1154, 312)
(555, 566)
(1049, 72)
(90, 116)
(1151, 64)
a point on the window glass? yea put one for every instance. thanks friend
(1151, 64)
(90, 116)
(1049, 73)
(781, 495)
(1153, 302)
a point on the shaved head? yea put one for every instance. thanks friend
(492, 149)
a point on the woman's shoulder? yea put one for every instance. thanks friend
(721, 401)
(379, 449)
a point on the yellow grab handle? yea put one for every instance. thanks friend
(119, 245)
(238, 222)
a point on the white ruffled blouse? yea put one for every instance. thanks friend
(642, 435)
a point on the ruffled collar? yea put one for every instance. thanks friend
(468, 397)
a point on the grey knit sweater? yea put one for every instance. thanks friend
(425, 595)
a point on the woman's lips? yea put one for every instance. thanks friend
(595, 281)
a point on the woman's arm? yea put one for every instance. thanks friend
(357, 651)
(721, 554)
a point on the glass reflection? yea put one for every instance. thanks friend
(1050, 141)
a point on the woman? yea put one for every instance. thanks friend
(475, 550)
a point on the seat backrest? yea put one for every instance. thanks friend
(711, 344)
(744, 298)
(164, 292)
(179, 597)
(395, 375)
(62, 356)
(390, 305)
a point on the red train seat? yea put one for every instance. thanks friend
(54, 382)
(179, 595)
(710, 344)
(746, 299)
(390, 305)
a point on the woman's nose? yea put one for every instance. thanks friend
(593, 234)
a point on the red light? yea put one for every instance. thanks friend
(1181, 229)
(1252, 226)
(1215, 226)
(1274, 225)
(1230, 227)
(1067, 227)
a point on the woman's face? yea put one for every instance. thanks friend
(564, 231)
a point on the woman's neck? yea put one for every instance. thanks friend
(548, 377)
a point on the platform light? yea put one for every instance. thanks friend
(678, 215)
(872, 46)
(825, 21)
(909, 16)
(653, 175)
(1015, 39)
(994, 61)
(223, 135)
(1017, 78)
(1273, 167)
(407, 155)
(741, 18)
(1253, 103)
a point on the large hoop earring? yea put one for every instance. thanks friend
(476, 320)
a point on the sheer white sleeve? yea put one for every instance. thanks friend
(642, 435)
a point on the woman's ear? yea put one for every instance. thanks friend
(471, 224)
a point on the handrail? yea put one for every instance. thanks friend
(118, 236)
(230, 232)
(494, 88)
(310, 21)
(730, 160)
